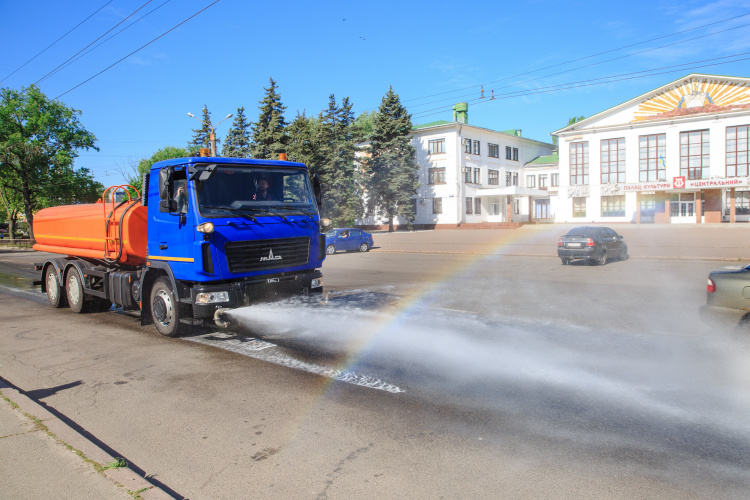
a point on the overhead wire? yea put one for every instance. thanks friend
(139, 49)
(53, 43)
(65, 65)
(92, 43)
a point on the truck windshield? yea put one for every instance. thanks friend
(254, 189)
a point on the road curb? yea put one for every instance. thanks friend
(56, 429)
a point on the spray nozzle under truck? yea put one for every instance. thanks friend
(207, 234)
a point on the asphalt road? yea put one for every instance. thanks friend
(423, 375)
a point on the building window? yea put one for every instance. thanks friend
(613, 161)
(466, 171)
(477, 206)
(476, 148)
(652, 154)
(542, 181)
(737, 149)
(554, 180)
(508, 154)
(613, 206)
(579, 207)
(436, 146)
(530, 181)
(493, 150)
(437, 205)
(467, 146)
(494, 209)
(436, 176)
(741, 203)
(579, 163)
(694, 154)
(469, 206)
(511, 178)
(477, 176)
(515, 154)
(493, 177)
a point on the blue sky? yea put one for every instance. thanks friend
(434, 54)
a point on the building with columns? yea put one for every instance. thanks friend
(676, 154)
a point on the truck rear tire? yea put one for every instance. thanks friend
(55, 293)
(74, 291)
(165, 309)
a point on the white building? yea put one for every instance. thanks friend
(474, 177)
(676, 154)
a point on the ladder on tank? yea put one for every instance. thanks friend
(113, 219)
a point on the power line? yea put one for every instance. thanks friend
(596, 81)
(599, 54)
(65, 65)
(139, 49)
(53, 43)
(92, 43)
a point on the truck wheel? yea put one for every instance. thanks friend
(330, 249)
(55, 293)
(165, 309)
(74, 291)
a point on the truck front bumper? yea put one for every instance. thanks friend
(246, 292)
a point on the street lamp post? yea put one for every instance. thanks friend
(212, 135)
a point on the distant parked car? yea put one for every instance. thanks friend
(595, 244)
(348, 239)
(727, 297)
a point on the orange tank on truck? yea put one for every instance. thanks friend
(94, 231)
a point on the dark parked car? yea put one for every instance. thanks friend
(347, 239)
(727, 297)
(595, 244)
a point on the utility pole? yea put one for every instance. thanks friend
(212, 135)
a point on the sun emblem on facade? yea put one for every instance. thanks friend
(693, 94)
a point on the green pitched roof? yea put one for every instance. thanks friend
(545, 160)
(431, 124)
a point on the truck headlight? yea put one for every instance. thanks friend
(205, 228)
(316, 282)
(211, 297)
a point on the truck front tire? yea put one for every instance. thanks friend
(165, 309)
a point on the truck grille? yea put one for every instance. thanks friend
(249, 256)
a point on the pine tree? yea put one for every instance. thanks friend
(237, 143)
(392, 168)
(302, 145)
(269, 131)
(202, 136)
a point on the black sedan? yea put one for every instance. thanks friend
(595, 244)
(727, 297)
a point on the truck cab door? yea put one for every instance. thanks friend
(172, 237)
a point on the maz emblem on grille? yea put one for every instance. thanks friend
(271, 256)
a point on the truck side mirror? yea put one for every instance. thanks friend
(165, 183)
(317, 191)
(165, 191)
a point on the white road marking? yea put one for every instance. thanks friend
(258, 349)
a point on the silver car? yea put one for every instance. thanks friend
(727, 297)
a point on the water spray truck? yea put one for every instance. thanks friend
(206, 235)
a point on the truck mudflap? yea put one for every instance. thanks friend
(206, 299)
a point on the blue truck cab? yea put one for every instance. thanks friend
(225, 233)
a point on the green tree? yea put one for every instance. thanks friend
(202, 136)
(39, 140)
(363, 125)
(165, 153)
(269, 131)
(303, 143)
(237, 144)
(339, 176)
(392, 168)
